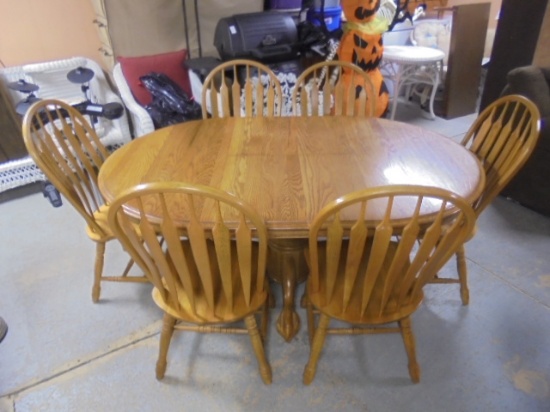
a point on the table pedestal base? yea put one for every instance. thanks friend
(287, 265)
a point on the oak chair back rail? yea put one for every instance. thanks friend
(66, 148)
(241, 88)
(203, 276)
(503, 137)
(68, 151)
(372, 273)
(322, 90)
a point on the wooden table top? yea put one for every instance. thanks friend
(288, 168)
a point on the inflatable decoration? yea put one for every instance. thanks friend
(361, 42)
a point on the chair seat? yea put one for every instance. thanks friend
(100, 217)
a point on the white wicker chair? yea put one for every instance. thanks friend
(51, 77)
(434, 33)
(141, 121)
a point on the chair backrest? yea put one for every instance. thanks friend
(68, 151)
(503, 137)
(372, 251)
(241, 88)
(207, 271)
(334, 88)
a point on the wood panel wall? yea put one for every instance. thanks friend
(516, 41)
(542, 52)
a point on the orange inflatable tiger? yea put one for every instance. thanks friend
(361, 43)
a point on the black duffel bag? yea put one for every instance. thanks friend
(170, 104)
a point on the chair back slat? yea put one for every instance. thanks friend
(400, 269)
(68, 151)
(489, 133)
(179, 258)
(136, 239)
(215, 97)
(224, 96)
(244, 252)
(60, 142)
(327, 93)
(197, 240)
(270, 92)
(503, 137)
(374, 266)
(362, 103)
(222, 241)
(344, 88)
(381, 239)
(357, 242)
(351, 96)
(262, 94)
(338, 91)
(204, 249)
(508, 152)
(430, 242)
(236, 89)
(315, 101)
(334, 247)
(156, 262)
(250, 89)
(250, 98)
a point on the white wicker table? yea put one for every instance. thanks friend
(409, 66)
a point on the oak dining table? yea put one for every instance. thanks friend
(288, 168)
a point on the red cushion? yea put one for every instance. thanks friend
(171, 64)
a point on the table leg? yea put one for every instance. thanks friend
(396, 86)
(287, 265)
(434, 91)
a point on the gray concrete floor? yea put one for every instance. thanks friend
(64, 353)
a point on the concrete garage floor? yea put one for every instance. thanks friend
(64, 353)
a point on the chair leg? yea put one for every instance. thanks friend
(265, 320)
(257, 345)
(316, 347)
(271, 299)
(462, 270)
(128, 267)
(310, 318)
(168, 323)
(408, 340)
(98, 270)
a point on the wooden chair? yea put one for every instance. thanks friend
(370, 272)
(322, 90)
(502, 137)
(68, 151)
(241, 88)
(205, 276)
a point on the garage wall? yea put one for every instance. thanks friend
(41, 30)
